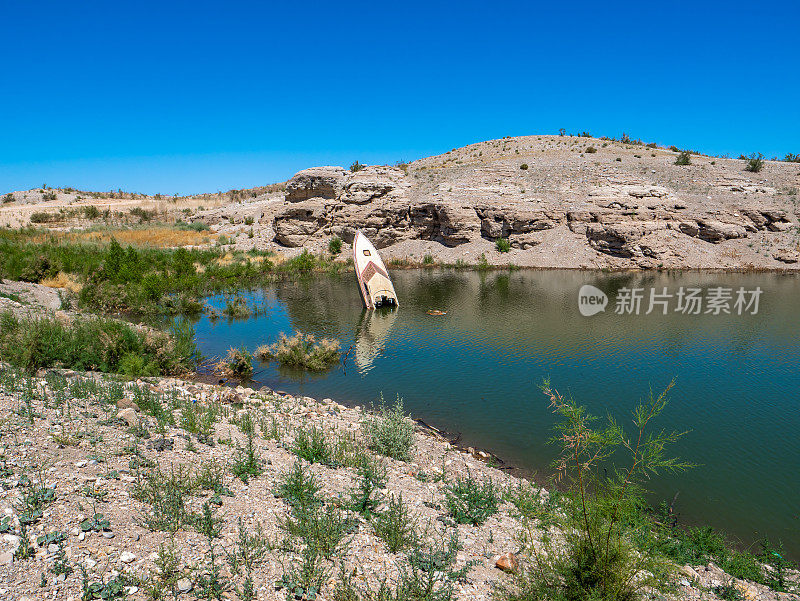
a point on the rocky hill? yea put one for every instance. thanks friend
(559, 201)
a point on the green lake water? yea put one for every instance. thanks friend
(475, 371)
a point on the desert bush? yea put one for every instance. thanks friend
(98, 344)
(43, 217)
(238, 362)
(356, 166)
(91, 212)
(312, 445)
(502, 245)
(470, 501)
(591, 150)
(394, 526)
(754, 163)
(597, 560)
(684, 158)
(335, 245)
(390, 432)
(524, 166)
(8, 198)
(301, 351)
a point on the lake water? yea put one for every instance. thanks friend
(476, 370)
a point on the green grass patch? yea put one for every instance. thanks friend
(99, 344)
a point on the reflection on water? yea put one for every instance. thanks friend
(476, 369)
(373, 332)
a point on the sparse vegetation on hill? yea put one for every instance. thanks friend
(755, 163)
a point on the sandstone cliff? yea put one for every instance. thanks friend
(558, 203)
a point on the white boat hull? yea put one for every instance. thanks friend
(373, 278)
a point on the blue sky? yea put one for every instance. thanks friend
(182, 97)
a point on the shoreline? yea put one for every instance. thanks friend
(482, 545)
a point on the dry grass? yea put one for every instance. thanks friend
(160, 237)
(63, 280)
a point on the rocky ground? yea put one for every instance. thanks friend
(83, 444)
(560, 201)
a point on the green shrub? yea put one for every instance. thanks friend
(98, 344)
(524, 166)
(597, 560)
(390, 432)
(502, 245)
(248, 463)
(684, 158)
(91, 212)
(591, 150)
(311, 445)
(755, 163)
(470, 501)
(394, 526)
(335, 245)
(8, 198)
(372, 476)
(43, 217)
(356, 166)
(299, 489)
(166, 496)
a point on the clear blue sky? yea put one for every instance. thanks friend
(182, 97)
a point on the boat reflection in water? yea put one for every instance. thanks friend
(373, 332)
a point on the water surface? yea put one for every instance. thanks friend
(476, 371)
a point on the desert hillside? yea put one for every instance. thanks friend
(558, 201)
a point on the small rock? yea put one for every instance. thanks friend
(130, 417)
(507, 562)
(125, 403)
(6, 558)
(131, 590)
(127, 557)
(161, 444)
(108, 535)
(184, 585)
(52, 548)
(81, 463)
(82, 536)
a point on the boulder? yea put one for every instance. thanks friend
(457, 224)
(317, 182)
(374, 183)
(786, 255)
(126, 403)
(130, 417)
(295, 223)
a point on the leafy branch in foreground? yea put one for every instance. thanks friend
(603, 468)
